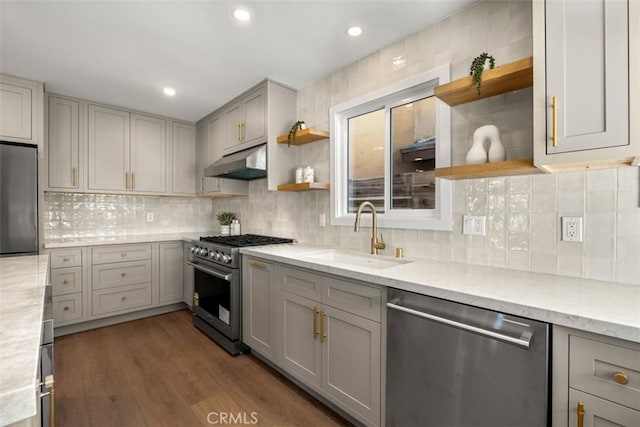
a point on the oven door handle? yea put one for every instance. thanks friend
(226, 277)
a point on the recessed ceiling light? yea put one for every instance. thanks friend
(354, 31)
(241, 14)
(169, 91)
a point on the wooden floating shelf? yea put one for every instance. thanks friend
(486, 170)
(505, 78)
(305, 136)
(304, 186)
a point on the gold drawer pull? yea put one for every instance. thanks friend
(74, 173)
(66, 308)
(580, 414)
(196, 299)
(123, 298)
(123, 274)
(257, 264)
(123, 254)
(315, 323)
(65, 282)
(621, 378)
(65, 259)
(323, 334)
(554, 121)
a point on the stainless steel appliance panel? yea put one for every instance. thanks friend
(450, 364)
(19, 196)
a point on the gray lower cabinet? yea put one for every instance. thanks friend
(66, 277)
(171, 274)
(327, 332)
(258, 309)
(188, 277)
(596, 380)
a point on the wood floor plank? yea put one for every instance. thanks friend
(162, 371)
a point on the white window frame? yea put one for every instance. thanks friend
(395, 94)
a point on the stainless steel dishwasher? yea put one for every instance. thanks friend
(450, 364)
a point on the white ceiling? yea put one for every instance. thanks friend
(125, 52)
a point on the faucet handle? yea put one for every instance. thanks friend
(379, 244)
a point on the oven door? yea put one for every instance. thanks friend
(216, 298)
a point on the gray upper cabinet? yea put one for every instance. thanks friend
(21, 110)
(183, 166)
(108, 149)
(245, 122)
(583, 60)
(63, 143)
(148, 169)
(210, 134)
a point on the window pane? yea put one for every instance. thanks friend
(414, 152)
(366, 160)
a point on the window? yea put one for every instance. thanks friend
(384, 149)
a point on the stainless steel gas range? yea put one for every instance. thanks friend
(217, 298)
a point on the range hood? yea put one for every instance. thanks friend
(245, 165)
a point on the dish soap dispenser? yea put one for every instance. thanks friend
(235, 228)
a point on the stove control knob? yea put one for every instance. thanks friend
(226, 259)
(198, 251)
(193, 249)
(212, 255)
(218, 256)
(204, 252)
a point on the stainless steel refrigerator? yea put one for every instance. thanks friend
(18, 199)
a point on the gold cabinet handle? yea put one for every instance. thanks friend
(66, 308)
(196, 299)
(241, 132)
(315, 323)
(133, 180)
(74, 173)
(554, 121)
(49, 384)
(126, 180)
(123, 274)
(65, 259)
(580, 414)
(123, 298)
(65, 282)
(123, 254)
(257, 265)
(621, 378)
(238, 131)
(323, 335)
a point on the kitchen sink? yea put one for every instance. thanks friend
(355, 259)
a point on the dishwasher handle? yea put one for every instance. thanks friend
(524, 341)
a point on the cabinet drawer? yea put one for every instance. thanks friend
(108, 254)
(66, 258)
(121, 274)
(302, 283)
(120, 299)
(67, 308)
(594, 365)
(600, 412)
(352, 297)
(66, 280)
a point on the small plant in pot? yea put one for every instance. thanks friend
(225, 219)
(477, 67)
(299, 125)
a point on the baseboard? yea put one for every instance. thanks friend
(114, 320)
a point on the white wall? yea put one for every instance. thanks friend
(522, 212)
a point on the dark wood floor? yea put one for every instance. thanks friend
(162, 371)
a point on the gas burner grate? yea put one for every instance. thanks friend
(245, 240)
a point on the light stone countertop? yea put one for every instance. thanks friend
(124, 239)
(606, 308)
(22, 285)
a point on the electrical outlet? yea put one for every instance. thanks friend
(572, 228)
(321, 220)
(149, 216)
(474, 225)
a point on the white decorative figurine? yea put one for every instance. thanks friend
(477, 154)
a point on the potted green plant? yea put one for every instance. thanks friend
(225, 219)
(299, 125)
(478, 65)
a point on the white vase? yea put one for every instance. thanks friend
(477, 154)
(225, 230)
